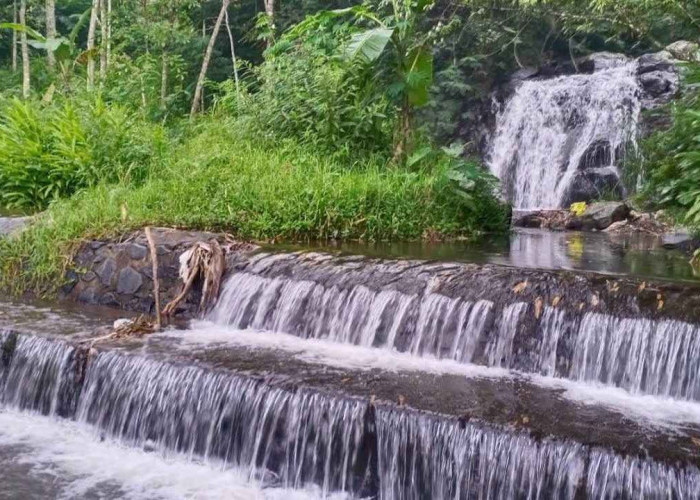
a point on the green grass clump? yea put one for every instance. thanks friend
(218, 180)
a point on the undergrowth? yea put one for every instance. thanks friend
(218, 180)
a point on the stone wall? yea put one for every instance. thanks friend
(119, 273)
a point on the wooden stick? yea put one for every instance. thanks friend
(156, 284)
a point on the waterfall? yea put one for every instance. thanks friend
(551, 131)
(300, 437)
(660, 357)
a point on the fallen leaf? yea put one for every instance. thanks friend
(696, 441)
(402, 400)
(346, 380)
(660, 305)
(556, 300)
(526, 419)
(539, 302)
(581, 306)
(520, 287)
(613, 286)
(595, 300)
(642, 286)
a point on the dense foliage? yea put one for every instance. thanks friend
(317, 119)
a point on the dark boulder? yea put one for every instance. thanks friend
(598, 154)
(593, 184)
(658, 83)
(600, 61)
(601, 215)
(658, 61)
(680, 240)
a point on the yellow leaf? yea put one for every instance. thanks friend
(578, 208)
(660, 298)
(539, 302)
(556, 300)
(642, 286)
(520, 287)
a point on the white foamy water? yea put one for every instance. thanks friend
(653, 410)
(87, 464)
(545, 128)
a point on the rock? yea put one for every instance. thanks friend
(598, 154)
(684, 50)
(617, 227)
(658, 83)
(603, 214)
(601, 60)
(593, 184)
(129, 281)
(89, 276)
(87, 296)
(10, 225)
(106, 270)
(137, 252)
(659, 61)
(532, 220)
(108, 299)
(680, 240)
(97, 244)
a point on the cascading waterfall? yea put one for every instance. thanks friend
(546, 129)
(290, 438)
(424, 456)
(299, 437)
(660, 357)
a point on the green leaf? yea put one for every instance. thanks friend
(368, 45)
(419, 77)
(25, 29)
(419, 156)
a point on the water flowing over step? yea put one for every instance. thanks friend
(292, 437)
(649, 356)
(552, 131)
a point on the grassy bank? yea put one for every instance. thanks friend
(219, 180)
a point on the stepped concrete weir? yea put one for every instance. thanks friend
(342, 376)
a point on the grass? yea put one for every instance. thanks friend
(219, 181)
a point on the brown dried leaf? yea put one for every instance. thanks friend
(613, 286)
(402, 400)
(642, 286)
(595, 300)
(526, 419)
(539, 302)
(696, 441)
(520, 287)
(556, 300)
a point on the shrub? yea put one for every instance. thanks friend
(50, 151)
(217, 180)
(672, 156)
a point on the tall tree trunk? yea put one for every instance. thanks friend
(233, 56)
(26, 77)
(91, 44)
(104, 21)
(207, 58)
(15, 20)
(270, 11)
(51, 30)
(109, 32)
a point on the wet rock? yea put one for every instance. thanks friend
(601, 215)
(593, 184)
(137, 252)
(658, 83)
(89, 276)
(106, 271)
(110, 300)
(685, 50)
(532, 220)
(95, 245)
(598, 154)
(71, 280)
(659, 61)
(680, 240)
(600, 61)
(88, 296)
(129, 281)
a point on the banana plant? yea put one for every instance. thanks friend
(391, 37)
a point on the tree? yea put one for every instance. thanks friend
(395, 37)
(104, 40)
(91, 44)
(15, 20)
(207, 58)
(51, 31)
(26, 78)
